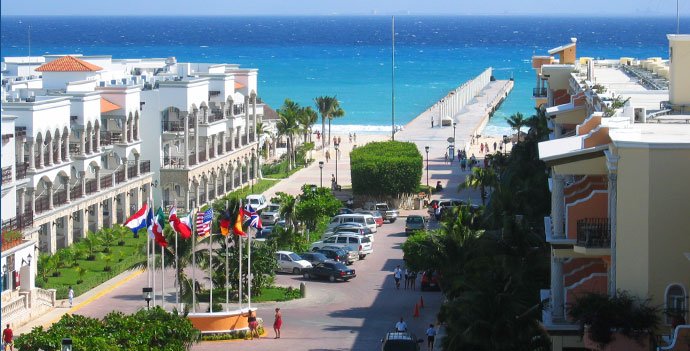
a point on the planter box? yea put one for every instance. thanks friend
(6, 245)
(619, 342)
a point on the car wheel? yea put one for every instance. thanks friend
(306, 276)
(346, 279)
(392, 220)
(331, 278)
(295, 271)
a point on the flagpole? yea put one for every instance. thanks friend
(210, 271)
(177, 275)
(162, 277)
(193, 265)
(249, 267)
(153, 272)
(239, 239)
(227, 270)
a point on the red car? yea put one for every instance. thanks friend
(431, 281)
(378, 218)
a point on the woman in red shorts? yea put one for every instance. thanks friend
(277, 323)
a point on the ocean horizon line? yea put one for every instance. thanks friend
(439, 15)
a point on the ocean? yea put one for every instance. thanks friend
(304, 57)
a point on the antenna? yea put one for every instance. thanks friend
(393, 80)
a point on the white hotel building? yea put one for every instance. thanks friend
(87, 139)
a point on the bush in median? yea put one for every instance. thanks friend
(386, 168)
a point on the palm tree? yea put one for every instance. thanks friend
(325, 105)
(337, 113)
(537, 124)
(90, 242)
(287, 209)
(287, 126)
(517, 121)
(480, 178)
(306, 119)
(81, 272)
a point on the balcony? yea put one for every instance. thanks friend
(175, 126)
(21, 170)
(539, 92)
(214, 116)
(109, 138)
(145, 166)
(60, 198)
(7, 175)
(75, 192)
(19, 132)
(20, 222)
(91, 186)
(593, 236)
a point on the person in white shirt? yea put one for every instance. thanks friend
(70, 295)
(397, 274)
(401, 326)
(430, 336)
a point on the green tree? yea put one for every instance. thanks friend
(306, 119)
(287, 209)
(287, 126)
(326, 105)
(108, 237)
(81, 272)
(315, 203)
(386, 168)
(517, 121)
(91, 242)
(481, 178)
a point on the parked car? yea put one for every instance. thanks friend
(362, 243)
(444, 203)
(415, 222)
(351, 228)
(344, 210)
(351, 253)
(365, 219)
(257, 201)
(378, 217)
(400, 341)
(270, 214)
(335, 254)
(389, 213)
(330, 270)
(313, 257)
(291, 262)
(430, 281)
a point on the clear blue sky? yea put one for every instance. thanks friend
(345, 7)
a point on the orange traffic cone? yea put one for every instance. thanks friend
(416, 311)
(421, 302)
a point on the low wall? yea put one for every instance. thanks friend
(221, 322)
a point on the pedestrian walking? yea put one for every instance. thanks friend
(481, 148)
(339, 140)
(494, 146)
(328, 155)
(401, 326)
(277, 323)
(463, 164)
(335, 141)
(70, 295)
(350, 136)
(354, 136)
(432, 121)
(7, 337)
(430, 337)
(333, 182)
(253, 325)
(406, 277)
(413, 280)
(446, 157)
(397, 274)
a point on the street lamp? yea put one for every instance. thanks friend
(453, 155)
(505, 143)
(337, 153)
(321, 171)
(427, 166)
(67, 344)
(148, 295)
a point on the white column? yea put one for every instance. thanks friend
(49, 190)
(246, 117)
(196, 139)
(68, 189)
(186, 141)
(32, 156)
(66, 146)
(557, 291)
(97, 139)
(50, 152)
(558, 206)
(254, 118)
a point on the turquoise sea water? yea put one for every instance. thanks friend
(304, 57)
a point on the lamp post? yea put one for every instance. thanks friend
(505, 145)
(147, 293)
(427, 166)
(453, 155)
(321, 173)
(67, 344)
(337, 153)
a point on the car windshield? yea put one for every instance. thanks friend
(382, 207)
(414, 219)
(273, 208)
(365, 240)
(295, 257)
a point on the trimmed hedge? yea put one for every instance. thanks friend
(386, 168)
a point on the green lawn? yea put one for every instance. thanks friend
(123, 258)
(267, 295)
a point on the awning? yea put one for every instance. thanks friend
(567, 113)
(566, 150)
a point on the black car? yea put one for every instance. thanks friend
(334, 254)
(331, 270)
(313, 257)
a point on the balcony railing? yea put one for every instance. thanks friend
(132, 171)
(19, 132)
(74, 149)
(120, 176)
(108, 138)
(172, 162)
(215, 115)
(91, 186)
(175, 126)
(539, 92)
(106, 181)
(145, 166)
(60, 198)
(75, 192)
(244, 140)
(20, 222)
(7, 175)
(594, 233)
(41, 204)
(228, 145)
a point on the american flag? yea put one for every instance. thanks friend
(203, 222)
(253, 220)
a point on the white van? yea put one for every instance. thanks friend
(365, 219)
(258, 202)
(361, 243)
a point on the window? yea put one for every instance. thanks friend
(342, 240)
(676, 303)
(329, 240)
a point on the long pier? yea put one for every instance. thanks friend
(469, 106)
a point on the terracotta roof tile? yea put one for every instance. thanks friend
(239, 85)
(68, 64)
(107, 106)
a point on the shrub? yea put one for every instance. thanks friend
(386, 168)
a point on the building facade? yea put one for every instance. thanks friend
(620, 159)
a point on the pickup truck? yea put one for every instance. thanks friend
(389, 214)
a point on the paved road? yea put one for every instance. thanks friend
(352, 315)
